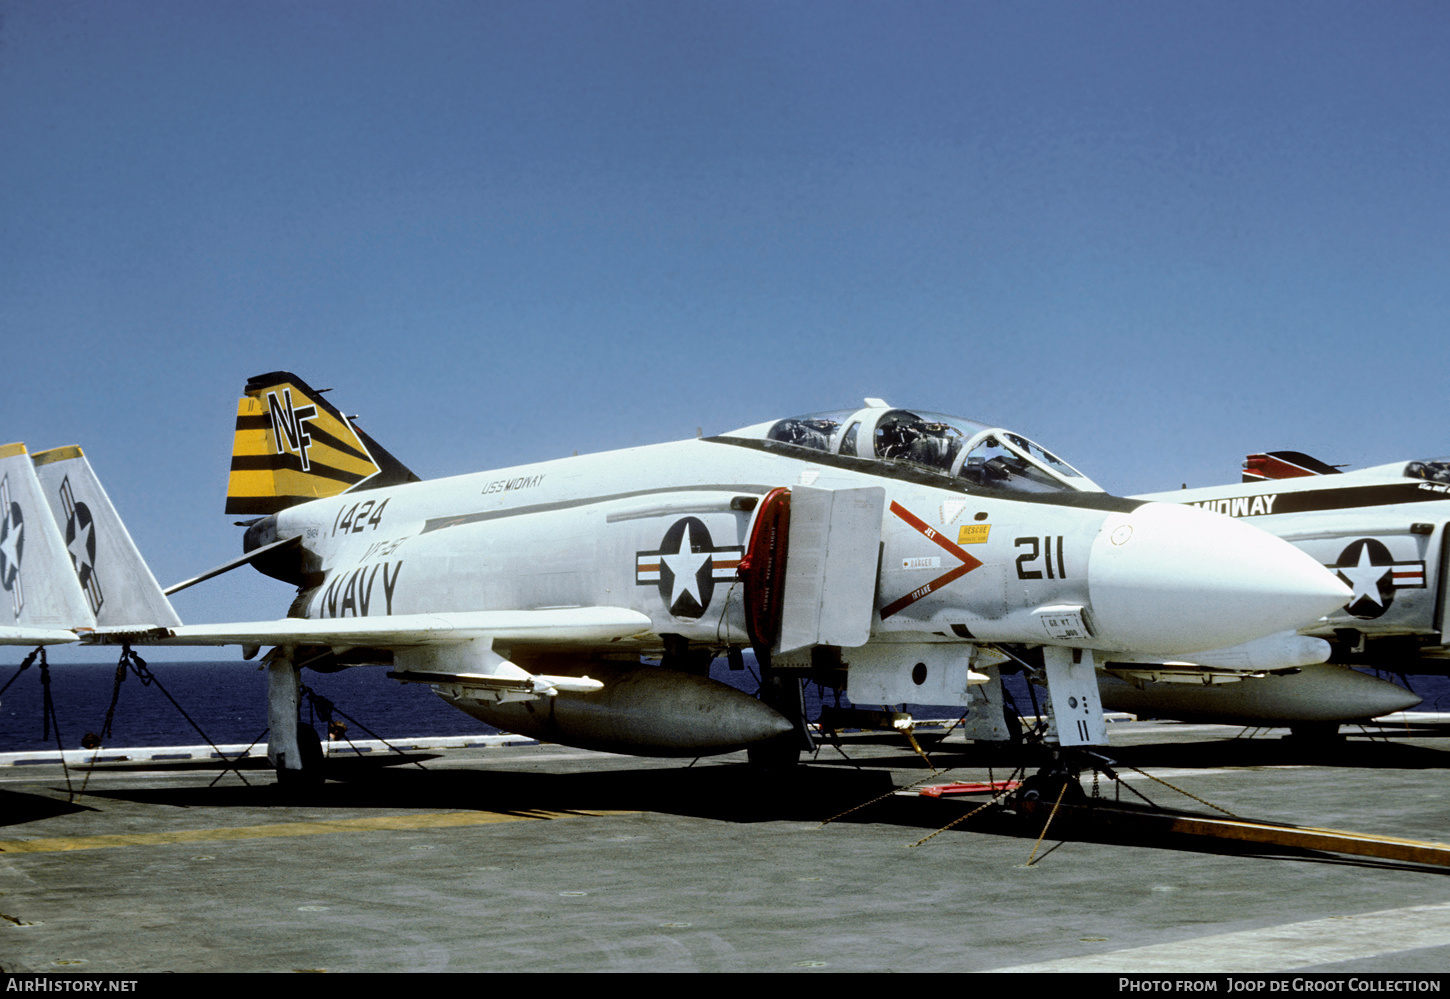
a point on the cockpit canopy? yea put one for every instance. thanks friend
(950, 445)
(1436, 470)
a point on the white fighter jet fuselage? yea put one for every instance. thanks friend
(662, 529)
(902, 544)
(900, 554)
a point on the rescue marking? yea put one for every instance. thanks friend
(973, 534)
(968, 562)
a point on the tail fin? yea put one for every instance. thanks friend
(116, 581)
(292, 446)
(38, 590)
(1284, 465)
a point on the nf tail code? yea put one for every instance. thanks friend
(292, 446)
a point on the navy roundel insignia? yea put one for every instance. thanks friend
(1374, 575)
(12, 544)
(686, 567)
(80, 541)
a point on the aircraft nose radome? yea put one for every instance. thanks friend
(1169, 578)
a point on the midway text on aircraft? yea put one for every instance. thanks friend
(896, 553)
(1383, 532)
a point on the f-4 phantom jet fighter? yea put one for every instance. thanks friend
(1383, 532)
(900, 554)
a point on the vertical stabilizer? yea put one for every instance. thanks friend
(116, 581)
(1284, 465)
(38, 590)
(292, 446)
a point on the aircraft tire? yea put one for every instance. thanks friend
(1322, 733)
(309, 747)
(1046, 785)
(782, 753)
(778, 755)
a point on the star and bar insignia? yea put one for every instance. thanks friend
(1374, 575)
(687, 566)
(12, 546)
(80, 542)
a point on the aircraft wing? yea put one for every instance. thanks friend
(557, 626)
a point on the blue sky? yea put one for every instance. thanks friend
(1155, 236)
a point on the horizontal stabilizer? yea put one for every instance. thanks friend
(35, 636)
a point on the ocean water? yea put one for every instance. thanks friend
(228, 702)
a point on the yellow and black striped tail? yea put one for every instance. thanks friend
(292, 446)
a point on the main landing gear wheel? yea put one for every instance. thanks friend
(309, 748)
(1316, 733)
(779, 755)
(1048, 783)
(782, 753)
